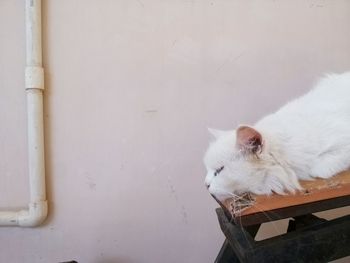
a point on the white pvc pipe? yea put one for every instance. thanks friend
(34, 82)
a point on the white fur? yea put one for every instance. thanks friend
(307, 138)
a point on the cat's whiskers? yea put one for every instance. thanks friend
(239, 202)
(252, 203)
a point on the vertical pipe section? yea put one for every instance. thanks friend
(34, 85)
(33, 33)
(36, 145)
(34, 81)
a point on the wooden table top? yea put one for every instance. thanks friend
(315, 193)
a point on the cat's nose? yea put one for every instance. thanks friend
(207, 185)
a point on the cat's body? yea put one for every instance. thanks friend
(307, 138)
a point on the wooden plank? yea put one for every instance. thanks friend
(292, 211)
(318, 195)
(314, 191)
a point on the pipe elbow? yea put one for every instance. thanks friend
(35, 216)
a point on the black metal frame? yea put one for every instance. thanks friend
(308, 239)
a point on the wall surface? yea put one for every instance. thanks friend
(131, 87)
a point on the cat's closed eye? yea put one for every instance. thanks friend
(218, 170)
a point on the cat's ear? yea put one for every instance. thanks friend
(249, 140)
(216, 133)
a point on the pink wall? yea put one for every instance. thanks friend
(130, 88)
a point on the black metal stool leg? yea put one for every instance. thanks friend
(226, 254)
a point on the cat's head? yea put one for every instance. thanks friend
(242, 161)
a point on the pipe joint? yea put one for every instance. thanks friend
(34, 77)
(36, 214)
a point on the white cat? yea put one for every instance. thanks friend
(309, 137)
